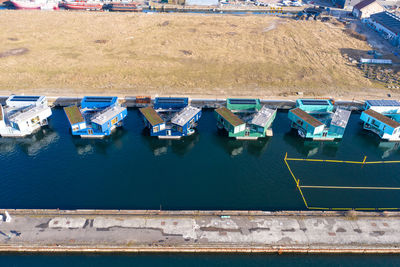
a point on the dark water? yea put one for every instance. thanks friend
(177, 260)
(129, 170)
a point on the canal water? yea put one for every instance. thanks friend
(177, 260)
(208, 170)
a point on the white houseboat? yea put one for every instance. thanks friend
(23, 115)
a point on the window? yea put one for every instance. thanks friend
(90, 131)
(156, 129)
(114, 121)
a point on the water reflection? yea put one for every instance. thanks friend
(384, 148)
(30, 145)
(161, 147)
(236, 147)
(87, 146)
(310, 148)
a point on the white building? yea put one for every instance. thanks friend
(23, 115)
(366, 8)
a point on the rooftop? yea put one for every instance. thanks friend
(315, 102)
(263, 116)
(364, 3)
(382, 118)
(340, 118)
(28, 113)
(183, 117)
(383, 103)
(23, 100)
(107, 114)
(74, 115)
(306, 117)
(389, 20)
(229, 116)
(151, 116)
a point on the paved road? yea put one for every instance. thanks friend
(91, 231)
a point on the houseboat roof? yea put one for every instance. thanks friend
(243, 103)
(74, 115)
(383, 103)
(107, 114)
(151, 116)
(27, 113)
(167, 102)
(98, 101)
(306, 117)
(229, 116)
(315, 102)
(263, 116)
(24, 100)
(185, 115)
(340, 118)
(382, 118)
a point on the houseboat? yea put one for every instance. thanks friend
(82, 5)
(23, 115)
(123, 7)
(319, 119)
(96, 117)
(171, 118)
(245, 119)
(383, 118)
(35, 4)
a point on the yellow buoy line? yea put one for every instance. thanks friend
(299, 187)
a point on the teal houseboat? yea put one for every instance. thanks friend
(319, 119)
(383, 118)
(245, 119)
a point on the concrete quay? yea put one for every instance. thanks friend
(200, 231)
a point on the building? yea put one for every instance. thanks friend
(366, 8)
(201, 2)
(96, 117)
(171, 118)
(387, 24)
(345, 3)
(382, 117)
(23, 115)
(318, 119)
(245, 119)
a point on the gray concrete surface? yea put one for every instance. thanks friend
(205, 231)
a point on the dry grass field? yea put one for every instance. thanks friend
(77, 53)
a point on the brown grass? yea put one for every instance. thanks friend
(175, 54)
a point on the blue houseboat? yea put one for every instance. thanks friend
(383, 118)
(96, 117)
(171, 118)
(318, 119)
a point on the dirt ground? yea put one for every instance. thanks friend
(77, 53)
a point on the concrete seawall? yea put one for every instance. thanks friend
(200, 231)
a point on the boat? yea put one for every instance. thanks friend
(245, 119)
(82, 5)
(35, 4)
(124, 7)
(319, 119)
(23, 115)
(96, 117)
(171, 117)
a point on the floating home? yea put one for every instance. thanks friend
(171, 118)
(96, 117)
(383, 118)
(23, 115)
(319, 119)
(245, 119)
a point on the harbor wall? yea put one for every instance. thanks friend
(192, 231)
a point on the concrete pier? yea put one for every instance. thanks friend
(200, 231)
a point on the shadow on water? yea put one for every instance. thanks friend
(236, 147)
(310, 148)
(161, 147)
(85, 146)
(30, 145)
(385, 148)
